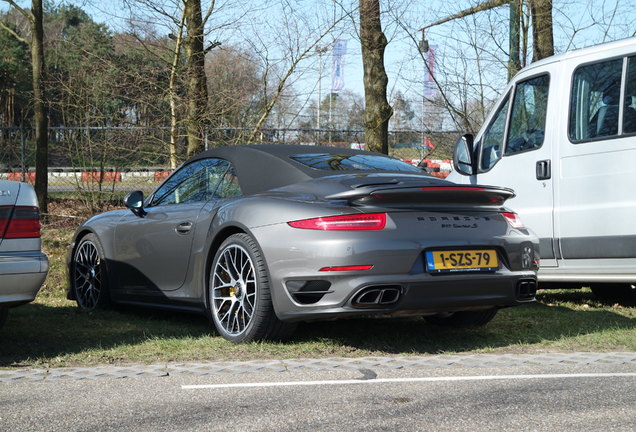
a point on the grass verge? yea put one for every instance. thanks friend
(52, 332)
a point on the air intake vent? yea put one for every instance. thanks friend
(308, 291)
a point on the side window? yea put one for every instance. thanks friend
(594, 104)
(492, 140)
(527, 122)
(229, 186)
(192, 183)
(629, 115)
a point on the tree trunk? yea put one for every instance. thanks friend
(172, 92)
(542, 38)
(377, 109)
(39, 111)
(196, 82)
(514, 65)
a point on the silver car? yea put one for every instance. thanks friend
(261, 237)
(23, 265)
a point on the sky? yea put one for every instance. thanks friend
(471, 50)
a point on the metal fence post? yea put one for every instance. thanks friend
(22, 152)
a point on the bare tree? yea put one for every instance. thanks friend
(35, 18)
(293, 41)
(377, 108)
(196, 80)
(172, 93)
(542, 32)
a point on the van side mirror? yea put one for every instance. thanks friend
(463, 155)
(135, 202)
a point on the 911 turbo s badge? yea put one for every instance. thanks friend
(452, 221)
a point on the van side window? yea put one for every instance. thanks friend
(527, 122)
(594, 104)
(629, 115)
(492, 139)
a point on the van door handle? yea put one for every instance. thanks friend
(543, 170)
(184, 227)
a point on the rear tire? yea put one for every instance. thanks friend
(89, 275)
(621, 293)
(463, 318)
(239, 299)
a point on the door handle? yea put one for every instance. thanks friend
(183, 228)
(544, 171)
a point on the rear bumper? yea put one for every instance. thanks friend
(21, 276)
(411, 295)
(399, 282)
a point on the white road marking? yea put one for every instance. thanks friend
(406, 380)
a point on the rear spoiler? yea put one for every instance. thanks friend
(425, 195)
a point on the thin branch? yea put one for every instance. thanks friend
(13, 33)
(209, 12)
(28, 15)
(289, 73)
(490, 4)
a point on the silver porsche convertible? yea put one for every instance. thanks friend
(262, 237)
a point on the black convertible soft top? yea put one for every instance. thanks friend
(270, 166)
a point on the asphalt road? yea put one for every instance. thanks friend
(539, 398)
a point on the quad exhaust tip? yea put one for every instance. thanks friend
(377, 296)
(526, 289)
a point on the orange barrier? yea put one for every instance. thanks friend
(161, 175)
(16, 176)
(96, 177)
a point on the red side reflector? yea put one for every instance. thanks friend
(513, 219)
(354, 222)
(22, 222)
(347, 268)
(454, 188)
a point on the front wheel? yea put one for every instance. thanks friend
(239, 298)
(463, 318)
(89, 274)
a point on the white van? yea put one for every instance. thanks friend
(563, 136)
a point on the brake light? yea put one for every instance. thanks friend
(354, 222)
(347, 268)
(19, 222)
(513, 219)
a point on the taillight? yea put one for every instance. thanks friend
(354, 222)
(19, 222)
(513, 219)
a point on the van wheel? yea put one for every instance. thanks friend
(623, 293)
(463, 318)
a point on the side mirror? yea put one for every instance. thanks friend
(463, 155)
(135, 202)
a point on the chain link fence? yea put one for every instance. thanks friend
(96, 164)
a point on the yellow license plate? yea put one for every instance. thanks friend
(462, 260)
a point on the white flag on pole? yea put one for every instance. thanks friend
(337, 65)
(430, 87)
